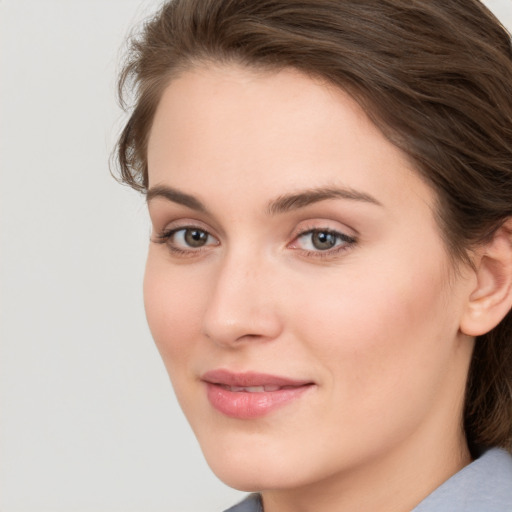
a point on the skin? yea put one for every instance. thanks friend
(375, 323)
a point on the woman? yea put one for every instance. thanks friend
(329, 277)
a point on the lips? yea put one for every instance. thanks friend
(251, 395)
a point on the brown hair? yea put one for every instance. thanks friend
(434, 75)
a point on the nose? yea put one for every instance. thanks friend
(243, 305)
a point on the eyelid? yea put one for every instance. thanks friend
(164, 214)
(344, 234)
(168, 233)
(340, 234)
(166, 236)
(324, 225)
(184, 223)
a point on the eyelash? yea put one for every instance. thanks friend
(347, 243)
(166, 236)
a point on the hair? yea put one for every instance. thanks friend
(434, 75)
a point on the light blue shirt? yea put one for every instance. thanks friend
(485, 485)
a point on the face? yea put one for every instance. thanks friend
(297, 286)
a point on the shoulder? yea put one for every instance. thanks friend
(485, 485)
(251, 504)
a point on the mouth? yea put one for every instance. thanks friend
(253, 389)
(251, 395)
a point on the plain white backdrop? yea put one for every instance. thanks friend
(88, 419)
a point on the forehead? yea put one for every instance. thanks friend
(245, 127)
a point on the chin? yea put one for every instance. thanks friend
(256, 465)
(252, 477)
(240, 467)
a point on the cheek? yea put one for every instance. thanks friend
(174, 304)
(383, 340)
(381, 331)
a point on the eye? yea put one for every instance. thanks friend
(191, 237)
(322, 240)
(186, 239)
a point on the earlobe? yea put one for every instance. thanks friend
(491, 298)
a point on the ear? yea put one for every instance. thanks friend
(491, 297)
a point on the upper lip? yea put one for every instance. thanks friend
(249, 379)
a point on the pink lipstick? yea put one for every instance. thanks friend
(251, 395)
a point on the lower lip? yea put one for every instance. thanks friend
(245, 405)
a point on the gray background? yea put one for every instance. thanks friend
(88, 418)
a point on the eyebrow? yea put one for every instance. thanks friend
(176, 196)
(282, 204)
(304, 198)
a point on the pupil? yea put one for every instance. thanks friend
(195, 237)
(323, 240)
